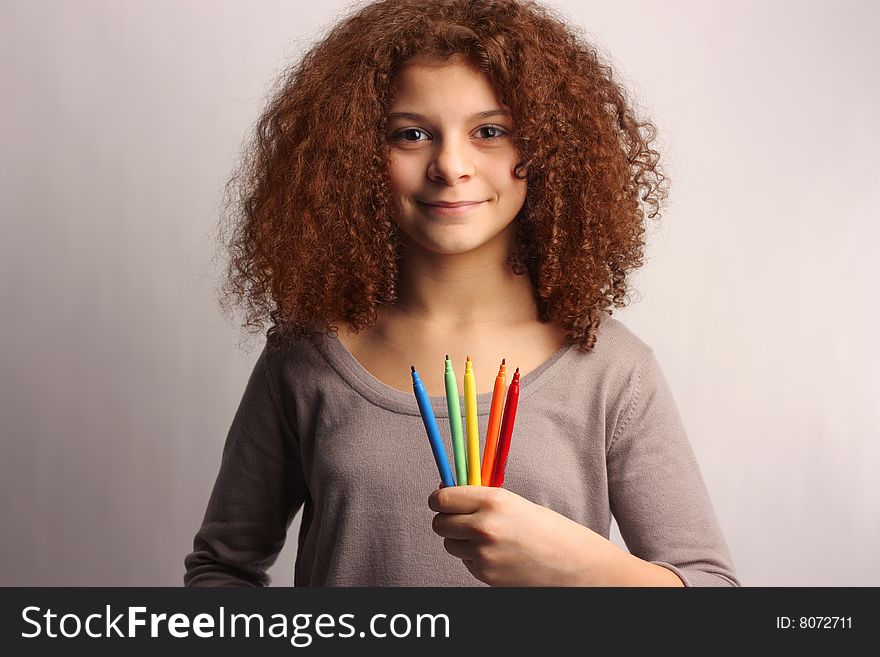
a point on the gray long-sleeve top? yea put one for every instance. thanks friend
(596, 435)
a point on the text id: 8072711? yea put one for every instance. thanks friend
(814, 622)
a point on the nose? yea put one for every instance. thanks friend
(451, 162)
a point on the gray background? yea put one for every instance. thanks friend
(121, 121)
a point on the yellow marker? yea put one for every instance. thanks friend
(473, 430)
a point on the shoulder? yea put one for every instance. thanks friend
(294, 357)
(610, 373)
(632, 374)
(617, 346)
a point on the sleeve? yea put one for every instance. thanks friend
(656, 490)
(258, 491)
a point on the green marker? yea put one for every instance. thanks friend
(461, 472)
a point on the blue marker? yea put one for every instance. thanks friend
(431, 427)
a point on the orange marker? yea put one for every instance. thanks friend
(494, 424)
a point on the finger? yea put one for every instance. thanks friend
(460, 549)
(476, 570)
(460, 499)
(453, 525)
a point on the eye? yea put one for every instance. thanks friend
(492, 132)
(410, 135)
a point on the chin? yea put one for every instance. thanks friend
(451, 248)
(444, 247)
(454, 239)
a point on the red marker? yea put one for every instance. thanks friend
(506, 431)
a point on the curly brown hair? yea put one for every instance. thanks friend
(309, 226)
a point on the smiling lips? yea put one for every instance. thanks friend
(450, 204)
(450, 207)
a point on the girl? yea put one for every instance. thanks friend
(458, 177)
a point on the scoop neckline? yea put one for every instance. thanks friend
(381, 394)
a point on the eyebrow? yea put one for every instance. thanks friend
(419, 117)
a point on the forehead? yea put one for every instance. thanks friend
(424, 82)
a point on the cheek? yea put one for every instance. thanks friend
(401, 173)
(515, 187)
(502, 174)
(394, 173)
(399, 188)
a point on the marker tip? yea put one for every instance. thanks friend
(502, 361)
(517, 371)
(413, 368)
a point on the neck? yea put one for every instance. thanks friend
(465, 290)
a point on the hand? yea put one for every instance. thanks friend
(505, 540)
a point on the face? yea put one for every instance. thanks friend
(451, 158)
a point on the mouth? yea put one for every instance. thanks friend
(447, 208)
(450, 204)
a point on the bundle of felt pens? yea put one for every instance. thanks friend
(466, 451)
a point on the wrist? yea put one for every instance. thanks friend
(609, 565)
